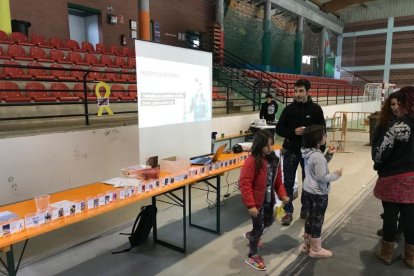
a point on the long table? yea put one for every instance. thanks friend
(170, 191)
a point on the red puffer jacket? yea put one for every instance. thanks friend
(253, 190)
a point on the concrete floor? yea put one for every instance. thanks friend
(210, 254)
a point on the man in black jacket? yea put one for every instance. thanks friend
(295, 117)
(268, 109)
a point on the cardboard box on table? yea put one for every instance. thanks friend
(174, 165)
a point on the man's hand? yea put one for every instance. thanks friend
(253, 212)
(299, 130)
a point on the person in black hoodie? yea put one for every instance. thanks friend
(295, 117)
(268, 109)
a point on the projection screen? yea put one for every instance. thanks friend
(174, 100)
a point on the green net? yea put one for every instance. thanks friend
(244, 35)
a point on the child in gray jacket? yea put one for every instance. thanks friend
(316, 186)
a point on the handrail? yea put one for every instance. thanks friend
(355, 74)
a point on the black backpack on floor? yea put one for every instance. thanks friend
(142, 227)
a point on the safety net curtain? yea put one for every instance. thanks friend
(348, 58)
(243, 37)
(311, 48)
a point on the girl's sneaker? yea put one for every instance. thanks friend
(247, 237)
(256, 262)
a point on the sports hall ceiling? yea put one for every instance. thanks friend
(318, 13)
(338, 5)
(329, 6)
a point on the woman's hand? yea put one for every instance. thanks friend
(253, 212)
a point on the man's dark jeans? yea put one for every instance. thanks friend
(290, 165)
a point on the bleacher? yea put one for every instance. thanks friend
(43, 70)
(321, 86)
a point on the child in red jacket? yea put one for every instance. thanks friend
(260, 177)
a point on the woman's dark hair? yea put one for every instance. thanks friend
(386, 114)
(312, 135)
(260, 140)
(303, 82)
(407, 100)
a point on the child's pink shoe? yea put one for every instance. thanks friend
(256, 262)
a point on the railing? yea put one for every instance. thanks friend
(237, 70)
(232, 72)
(342, 121)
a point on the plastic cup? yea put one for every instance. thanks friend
(42, 202)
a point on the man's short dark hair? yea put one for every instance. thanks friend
(303, 82)
(312, 135)
(268, 96)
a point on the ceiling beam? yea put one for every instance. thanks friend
(335, 5)
(311, 13)
(319, 4)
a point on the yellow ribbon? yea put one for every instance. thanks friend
(103, 102)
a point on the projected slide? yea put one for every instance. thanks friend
(174, 100)
(172, 92)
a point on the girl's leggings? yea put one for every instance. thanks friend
(264, 219)
(317, 205)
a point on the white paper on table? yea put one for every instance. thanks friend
(7, 215)
(122, 181)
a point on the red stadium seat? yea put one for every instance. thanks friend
(87, 46)
(78, 91)
(131, 62)
(37, 92)
(39, 40)
(133, 91)
(78, 75)
(120, 61)
(100, 48)
(17, 52)
(38, 73)
(76, 58)
(62, 92)
(113, 49)
(3, 55)
(108, 61)
(10, 92)
(14, 72)
(74, 45)
(4, 38)
(116, 90)
(120, 92)
(60, 74)
(57, 43)
(113, 76)
(127, 76)
(20, 38)
(38, 54)
(126, 51)
(92, 59)
(58, 56)
(96, 75)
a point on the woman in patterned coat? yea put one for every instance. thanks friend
(393, 155)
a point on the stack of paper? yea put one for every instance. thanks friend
(123, 182)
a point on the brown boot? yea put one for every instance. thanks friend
(306, 243)
(408, 255)
(385, 252)
(316, 250)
